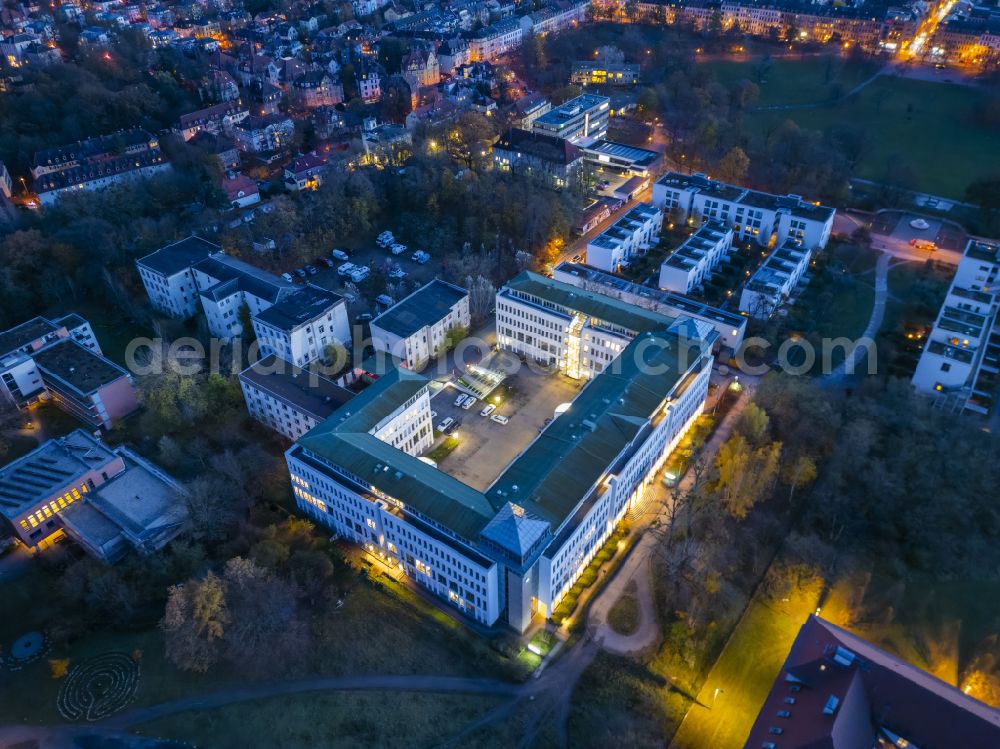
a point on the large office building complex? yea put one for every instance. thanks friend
(960, 363)
(511, 551)
(582, 120)
(752, 215)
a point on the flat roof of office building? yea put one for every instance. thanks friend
(425, 306)
(77, 366)
(179, 256)
(23, 334)
(299, 307)
(307, 391)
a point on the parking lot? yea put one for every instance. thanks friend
(485, 447)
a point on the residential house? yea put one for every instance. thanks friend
(261, 134)
(687, 266)
(553, 161)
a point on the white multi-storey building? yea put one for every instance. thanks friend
(687, 266)
(772, 283)
(753, 215)
(960, 363)
(169, 279)
(289, 399)
(497, 40)
(300, 326)
(633, 233)
(581, 121)
(510, 553)
(416, 328)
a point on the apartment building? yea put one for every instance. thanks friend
(510, 553)
(687, 266)
(555, 17)
(110, 500)
(756, 216)
(300, 325)
(168, 278)
(495, 41)
(729, 327)
(217, 120)
(582, 120)
(772, 283)
(60, 360)
(6, 186)
(96, 163)
(600, 73)
(632, 234)
(551, 160)
(960, 363)
(259, 134)
(416, 328)
(289, 399)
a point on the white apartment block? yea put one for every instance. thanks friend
(497, 40)
(416, 328)
(226, 285)
(960, 363)
(581, 121)
(288, 399)
(300, 326)
(633, 233)
(687, 266)
(753, 215)
(169, 279)
(730, 327)
(510, 553)
(772, 283)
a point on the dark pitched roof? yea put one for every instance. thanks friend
(234, 275)
(306, 391)
(299, 307)
(847, 686)
(423, 307)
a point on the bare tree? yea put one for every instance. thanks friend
(481, 297)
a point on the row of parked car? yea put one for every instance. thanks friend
(311, 269)
(387, 241)
(465, 402)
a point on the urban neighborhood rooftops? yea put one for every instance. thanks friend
(425, 306)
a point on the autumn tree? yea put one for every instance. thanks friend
(745, 474)
(194, 623)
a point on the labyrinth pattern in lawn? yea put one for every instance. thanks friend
(98, 687)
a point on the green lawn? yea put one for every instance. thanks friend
(809, 81)
(744, 673)
(925, 126)
(623, 617)
(345, 720)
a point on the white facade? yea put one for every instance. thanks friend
(687, 266)
(633, 233)
(752, 215)
(774, 281)
(169, 279)
(496, 40)
(299, 330)
(580, 121)
(960, 360)
(416, 329)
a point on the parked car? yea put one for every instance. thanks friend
(363, 317)
(300, 272)
(385, 239)
(398, 249)
(325, 261)
(578, 258)
(499, 419)
(312, 270)
(385, 300)
(287, 277)
(420, 257)
(434, 415)
(398, 273)
(460, 399)
(469, 402)
(345, 269)
(339, 255)
(444, 425)
(349, 296)
(488, 410)
(360, 273)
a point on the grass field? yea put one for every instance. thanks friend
(925, 126)
(744, 672)
(808, 81)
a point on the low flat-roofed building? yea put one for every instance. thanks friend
(731, 327)
(289, 399)
(416, 328)
(580, 121)
(836, 690)
(687, 266)
(623, 158)
(600, 73)
(960, 362)
(772, 283)
(300, 326)
(632, 234)
(140, 509)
